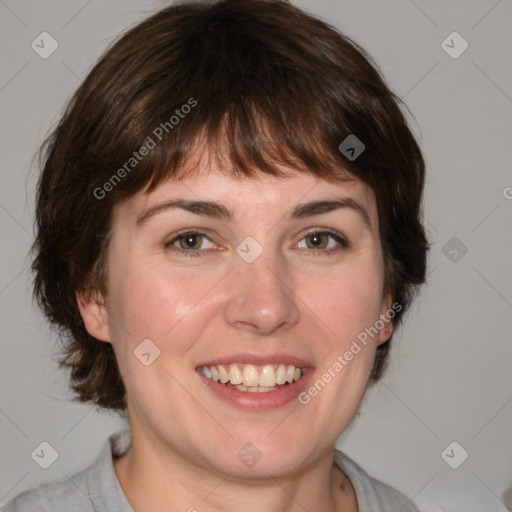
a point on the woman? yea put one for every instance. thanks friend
(228, 234)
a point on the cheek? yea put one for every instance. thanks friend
(152, 302)
(346, 302)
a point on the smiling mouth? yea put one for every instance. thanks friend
(253, 378)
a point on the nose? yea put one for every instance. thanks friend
(262, 298)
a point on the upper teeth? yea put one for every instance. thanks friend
(264, 376)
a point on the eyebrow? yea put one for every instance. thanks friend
(222, 212)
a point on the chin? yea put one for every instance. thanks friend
(259, 460)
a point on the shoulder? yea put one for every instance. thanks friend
(60, 495)
(372, 494)
(93, 488)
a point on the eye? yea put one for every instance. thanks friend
(318, 242)
(190, 243)
(323, 241)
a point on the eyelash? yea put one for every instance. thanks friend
(315, 252)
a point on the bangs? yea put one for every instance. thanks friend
(256, 101)
(242, 137)
(242, 143)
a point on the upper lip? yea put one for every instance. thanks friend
(258, 360)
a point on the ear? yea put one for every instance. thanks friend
(94, 314)
(386, 308)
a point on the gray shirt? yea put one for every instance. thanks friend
(96, 488)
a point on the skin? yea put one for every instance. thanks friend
(293, 299)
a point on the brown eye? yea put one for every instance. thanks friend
(324, 241)
(190, 242)
(317, 240)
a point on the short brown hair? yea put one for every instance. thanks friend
(265, 85)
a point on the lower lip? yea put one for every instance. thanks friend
(258, 401)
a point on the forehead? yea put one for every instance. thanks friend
(244, 197)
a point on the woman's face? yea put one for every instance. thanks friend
(275, 274)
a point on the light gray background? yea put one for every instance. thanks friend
(450, 377)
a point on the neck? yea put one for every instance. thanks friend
(154, 481)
